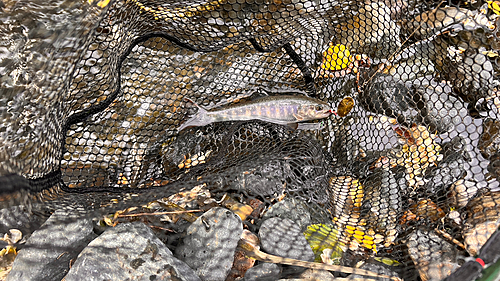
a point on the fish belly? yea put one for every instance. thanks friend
(266, 112)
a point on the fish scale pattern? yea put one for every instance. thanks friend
(90, 113)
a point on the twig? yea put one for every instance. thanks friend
(162, 228)
(449, 238)
(159, 213)
(253, 252)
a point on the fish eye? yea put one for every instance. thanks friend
(319, 107)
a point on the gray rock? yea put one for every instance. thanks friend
(313, 275)
(210, 244)
(283, 237)
(434, 257)
(47, 253)
(129, 251)
(19, 217)
(263, 272)
(256, 183)
(378, 268)
(316, 274)
(290, 208)
(442, 111)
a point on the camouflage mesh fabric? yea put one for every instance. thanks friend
(90, 111)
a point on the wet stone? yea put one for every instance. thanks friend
(19, 217)
(452, 168)
(494, 166)
(442, 111)
(292, 209)
(266, 180)
(263, 272)
(383, 200)
(489, 143)
(483, 219)
(387, 96)
(47, 253)
(378, 268)
(434, 257)
(210, 244)
(316, 274)
(131, 252)
(284, 238)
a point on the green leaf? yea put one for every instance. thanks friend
(321, 237)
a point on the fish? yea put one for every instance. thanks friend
(283, 110)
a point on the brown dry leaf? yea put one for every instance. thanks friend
(345, 106)
(172, 207)
(241, 264)
(257, 206)
(242, 210)
(423, 209)
(407, 217)
(187, 198)
(427, 209)
(461, 192)
(419, 151)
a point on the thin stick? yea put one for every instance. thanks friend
(253, 252)
(449, 238)
(162, 228)
(159, 213)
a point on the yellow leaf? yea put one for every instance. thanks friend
(108, 221)
(243, 211)
(494, 6)
(337, 57)
(321, 237)
(387, 261)
(100, 4)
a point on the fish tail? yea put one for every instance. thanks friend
(199, 119)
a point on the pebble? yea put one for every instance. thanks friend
(283, 237)
(316, 274)
(210, 244)
(263, 272)
(49, 250)
(378, 268)
(433, 257)
(129, 251)
(292, 209)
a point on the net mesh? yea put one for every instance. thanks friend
(404, 174)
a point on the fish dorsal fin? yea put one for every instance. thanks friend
(259, 92)
(200, 108)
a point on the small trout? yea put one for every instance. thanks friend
(283, 110)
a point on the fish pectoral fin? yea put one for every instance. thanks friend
(298, 117)
(294, 126)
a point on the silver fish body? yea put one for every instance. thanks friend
(282, 110)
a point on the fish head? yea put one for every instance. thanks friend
(316, 111)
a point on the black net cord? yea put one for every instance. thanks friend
(12, 182)
(306, 72)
